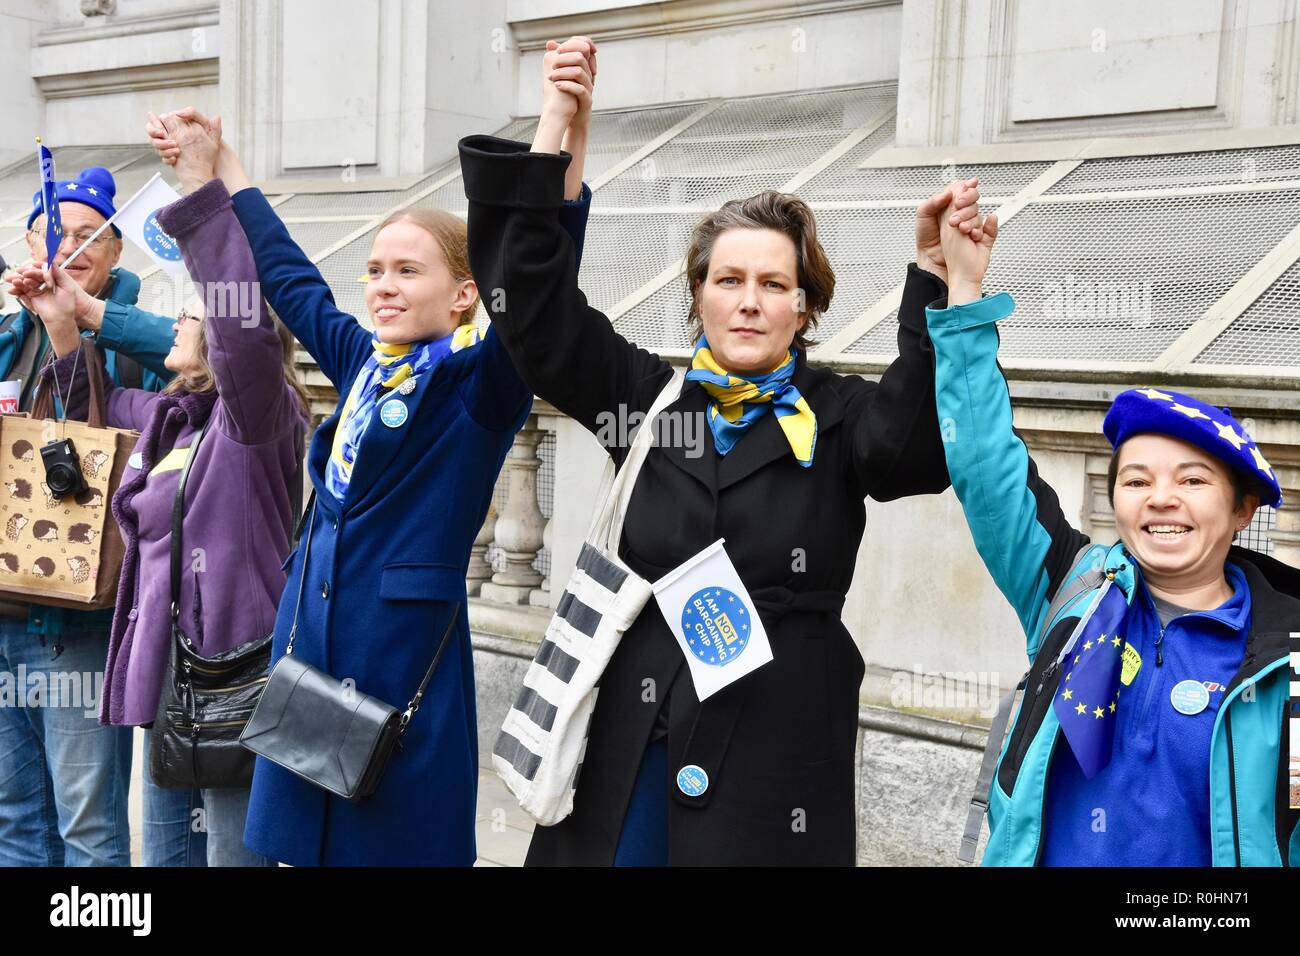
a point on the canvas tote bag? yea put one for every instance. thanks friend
(64, 552)
(544, 736)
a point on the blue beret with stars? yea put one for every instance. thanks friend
(1141, 411)
(93, 187)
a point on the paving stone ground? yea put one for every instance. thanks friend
(502, 829)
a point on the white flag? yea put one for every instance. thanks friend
(138, 220)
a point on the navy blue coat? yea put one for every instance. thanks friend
(386, 569)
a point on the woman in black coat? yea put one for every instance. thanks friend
(778, 744)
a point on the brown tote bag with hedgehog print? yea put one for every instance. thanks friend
(64, 551)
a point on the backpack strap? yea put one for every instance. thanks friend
(979, 801)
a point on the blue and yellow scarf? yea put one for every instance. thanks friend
(738, 402)
(387, 368)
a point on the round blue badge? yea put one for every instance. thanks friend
(715, 624)
(160, 244)
(1189, 697)
(692, 780)
(393, 413)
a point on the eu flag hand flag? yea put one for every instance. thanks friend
(49, 203)
(1088, 694)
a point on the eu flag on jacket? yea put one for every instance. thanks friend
(1088, 696)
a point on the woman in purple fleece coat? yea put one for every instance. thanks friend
(234, 375)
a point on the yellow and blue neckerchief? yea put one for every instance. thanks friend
(738, 402)
(388, 367)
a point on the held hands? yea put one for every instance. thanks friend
(962, 196)
(966, 241)
(189, 141)
(568, 80)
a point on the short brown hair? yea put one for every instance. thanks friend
(788, 215)
(450, 233)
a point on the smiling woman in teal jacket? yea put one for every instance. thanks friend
(1153, 728)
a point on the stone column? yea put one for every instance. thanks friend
(480, 571)
(520, 526)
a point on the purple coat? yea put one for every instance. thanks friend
(238, 498)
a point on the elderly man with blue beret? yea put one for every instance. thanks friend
(63, 777)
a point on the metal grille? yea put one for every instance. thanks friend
(359, 203)
(20, 181)
(869, 250)
(659, 322)
(343, 271)
(616, 135)
(1257, 536)
(1267, 333)
(130, 181)
(623, 251)
(339, 204)
(742, 148)
(1092, 283)
(546, 496)
(845, 180)
(1231, 167)
(1112, 282)
(315, 237)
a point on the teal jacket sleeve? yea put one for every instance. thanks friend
(1015, 517)
(144, 336)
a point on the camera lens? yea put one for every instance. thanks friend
(61, 479)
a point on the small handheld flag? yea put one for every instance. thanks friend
(49, 202)
(1088, 695)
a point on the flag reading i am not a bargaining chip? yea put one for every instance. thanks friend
(138, 220)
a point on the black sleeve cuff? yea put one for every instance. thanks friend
(920, 290)
(502, 172)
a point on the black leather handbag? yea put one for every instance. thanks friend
(205, 701)
(324, 731)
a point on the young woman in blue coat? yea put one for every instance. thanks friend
(403, 474)
(1153, 728)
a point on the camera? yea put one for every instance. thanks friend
(62, 469)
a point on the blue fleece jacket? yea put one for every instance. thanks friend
(1150, 806)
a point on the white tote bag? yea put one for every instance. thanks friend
(544, 736)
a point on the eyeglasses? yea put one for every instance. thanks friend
(79, 239)
(184, 315)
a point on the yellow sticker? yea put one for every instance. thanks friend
(1132, 664)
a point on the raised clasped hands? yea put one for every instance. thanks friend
(189, 141)
(966, 241)
(568, 80)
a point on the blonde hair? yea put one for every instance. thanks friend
(452, 237)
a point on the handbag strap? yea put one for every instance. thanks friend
(178, 520)
(42, 404)
(414, 703)
(607, 526)
(306, 555)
